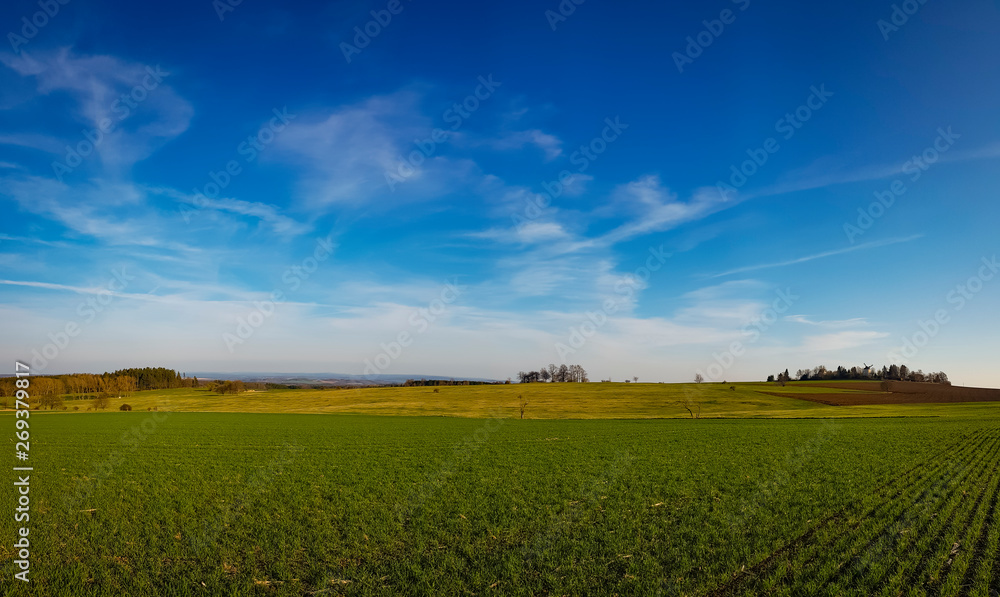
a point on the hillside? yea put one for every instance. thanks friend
(567, 401)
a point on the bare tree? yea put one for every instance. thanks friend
(524, 404)
(635, 379)
(698, 378)
(690, 404)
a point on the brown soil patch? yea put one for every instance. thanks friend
(844, 399)
(895, 392)
(864, 386)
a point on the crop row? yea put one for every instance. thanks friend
(209, 504)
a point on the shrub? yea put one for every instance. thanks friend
(125, 407)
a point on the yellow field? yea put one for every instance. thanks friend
(545, 401)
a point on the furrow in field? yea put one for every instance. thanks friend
(995, 577)
(906, 524)
(976, 541)
(936, 545)
(889, 492)
(838, 541)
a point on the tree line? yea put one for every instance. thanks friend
(47, 391)
(443, 382)
(562, 373)
(893, 372)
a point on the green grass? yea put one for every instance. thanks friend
(282, 504)
(545, 401)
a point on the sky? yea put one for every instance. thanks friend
(649, 190)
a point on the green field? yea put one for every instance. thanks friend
(185, 503)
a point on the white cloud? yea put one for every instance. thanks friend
(98, 83)
(45, 143)
(659, 209)
(549, 144)
(268, 214)
(357, 153)
(528, 233)
(830, 171)
(840, 340)
(836, 323)
(824, 254)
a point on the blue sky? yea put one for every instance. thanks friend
(473, 189)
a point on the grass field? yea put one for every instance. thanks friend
(178, 503)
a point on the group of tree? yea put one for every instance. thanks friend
(236, 386)
(562, 373)
(445, 382)
(157, 378)
(893, 372)
(227, 387)
(49, 391)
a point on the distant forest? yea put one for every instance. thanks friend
(123, 381)
(442, 382)
(47, 391)
(893, 372)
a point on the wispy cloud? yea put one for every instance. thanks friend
(836, 323)
(660, 209)
(529, 233)
(823, 173)
(37, 141)
(345, 153)
(266, 213)
(37, 241)
(807, 258)
(549, 144)
(97, 82)
(840, 340)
